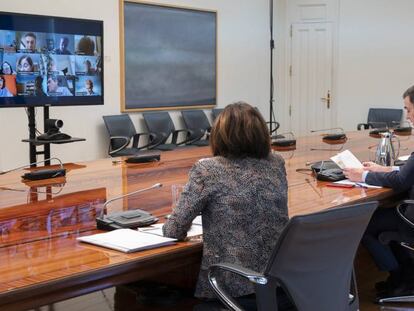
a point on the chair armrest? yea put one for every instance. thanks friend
(400, 212)
(185, 141)
(225, 298)
(365, 126)
(157, 139)
(196, 134)
(127, 141)
(137, 136)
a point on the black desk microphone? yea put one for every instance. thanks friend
(332, 138)
(40, 174)
(126, 219)
(282, 143)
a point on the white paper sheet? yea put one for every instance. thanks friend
(346, 159)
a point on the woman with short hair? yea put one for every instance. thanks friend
(241, 194)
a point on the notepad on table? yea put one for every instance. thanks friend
(127, 240)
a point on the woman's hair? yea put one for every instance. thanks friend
(4, 82)
(28, 59)
(240, 131)
(6, 63)
(86, 46)
(89, 81)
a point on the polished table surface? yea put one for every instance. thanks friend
(41, 261)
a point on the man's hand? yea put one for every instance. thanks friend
(373, 167)
(354, 174)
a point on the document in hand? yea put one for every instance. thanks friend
(127, 240)
(346, 159)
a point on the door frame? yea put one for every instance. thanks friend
(334, 19)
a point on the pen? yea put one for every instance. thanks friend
(360, 185)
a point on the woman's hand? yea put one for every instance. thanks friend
(373, 167)
(353, 174)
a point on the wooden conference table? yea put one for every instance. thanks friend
(41, 262)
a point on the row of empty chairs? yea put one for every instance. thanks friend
(161, 134)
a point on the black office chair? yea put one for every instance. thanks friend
(196, 121)
(121, 130)
(161, 127)
(312, 262)
(382, 118)
(215, 112)
(405, 238)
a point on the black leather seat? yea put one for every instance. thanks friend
(121, 130)
(405, 238)
(215, 112)
(161, 127)
(382, 118)
(196, 121)
(312, 262)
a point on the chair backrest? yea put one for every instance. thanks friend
(385, 117)
(119, 125)
(216, 111)
(195, 119)
(159, 122)
(313, 259)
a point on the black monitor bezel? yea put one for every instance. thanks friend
(56, 101)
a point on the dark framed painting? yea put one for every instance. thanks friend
(168, 57)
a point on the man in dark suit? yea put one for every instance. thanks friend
(391, 257)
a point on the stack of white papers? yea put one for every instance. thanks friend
(127, 240)
(346, 159)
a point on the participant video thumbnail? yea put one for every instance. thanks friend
(88, 45)
(8, 63)
(31, 42)
(87, 65)
(28, 64)
(7, 85)
(60, 64)
(57, 85)
(88, 86)
(61, 44)
(8, 41)
(25, 85)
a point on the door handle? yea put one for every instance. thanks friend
(327, 99)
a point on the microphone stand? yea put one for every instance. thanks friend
(126, 219)
(31, 165)
(272, 47)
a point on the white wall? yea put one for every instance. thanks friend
(374, 63)
(243, 70)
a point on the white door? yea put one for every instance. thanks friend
(311, 77)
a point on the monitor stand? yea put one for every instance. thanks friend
(32, 135)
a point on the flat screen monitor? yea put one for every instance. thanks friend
(50, 61)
